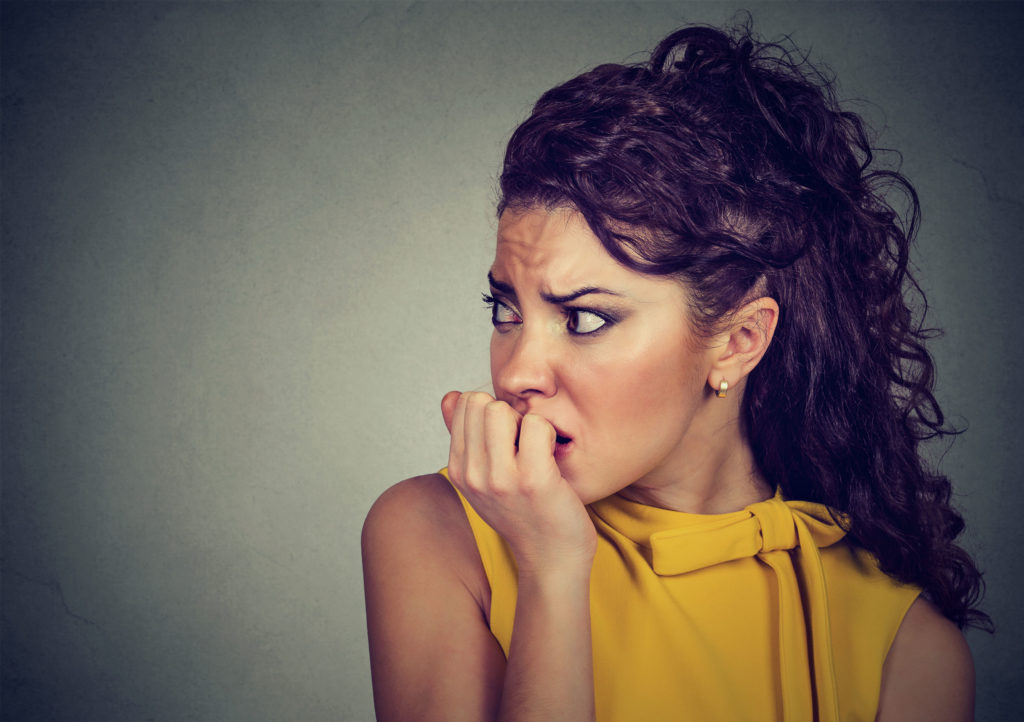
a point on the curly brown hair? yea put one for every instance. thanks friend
(728, 163)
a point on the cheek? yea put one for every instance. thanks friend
(502, 351)
(499, 356)
(655, 385)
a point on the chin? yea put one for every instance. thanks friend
(588, 487)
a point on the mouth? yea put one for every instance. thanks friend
(563, 443)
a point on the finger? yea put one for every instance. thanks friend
(475, 462)
(536, 442)
(456, 450)
(501, 425)
(448, 408)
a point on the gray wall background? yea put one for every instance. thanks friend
(242, 251)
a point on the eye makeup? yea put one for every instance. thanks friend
(579, 321)
(501, 313)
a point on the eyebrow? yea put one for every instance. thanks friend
(553, 298)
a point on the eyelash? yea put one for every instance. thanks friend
(493, 303)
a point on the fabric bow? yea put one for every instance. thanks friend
(771, 525)
(771, 530)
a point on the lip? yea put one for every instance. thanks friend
(561, 449)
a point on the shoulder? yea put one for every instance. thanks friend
(862, 597)
(418, 501)
(928, 672)
(419, 526)
(432, 655)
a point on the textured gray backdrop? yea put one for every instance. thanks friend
(242, 251)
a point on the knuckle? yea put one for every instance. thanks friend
(472, 480)
(499, 491)
(496, 410)
(528, 487)
(494, 406)
(537, 425)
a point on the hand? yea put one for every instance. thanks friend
(517, 489)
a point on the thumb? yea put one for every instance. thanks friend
(448, 407)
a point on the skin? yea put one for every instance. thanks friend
(635, 393)
(622, 374)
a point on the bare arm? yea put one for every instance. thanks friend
(550, 668)
(431, 652)
(928, 673)
(503, 464)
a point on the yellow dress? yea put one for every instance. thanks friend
(762, 614)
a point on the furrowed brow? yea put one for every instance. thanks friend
(559, 299)
(500, 285)
(556, 299)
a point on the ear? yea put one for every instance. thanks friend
(739, 348)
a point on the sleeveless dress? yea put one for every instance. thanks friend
(767, 613)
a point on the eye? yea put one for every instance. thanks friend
(582, 322)
(501, 313)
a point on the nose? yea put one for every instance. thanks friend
(523, 366)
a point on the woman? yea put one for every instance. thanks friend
(696, 492)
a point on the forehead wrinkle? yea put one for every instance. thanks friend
(554, 273)
(562, 257)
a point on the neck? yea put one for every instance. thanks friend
(712, 471)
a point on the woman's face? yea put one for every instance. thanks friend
(602, 352)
